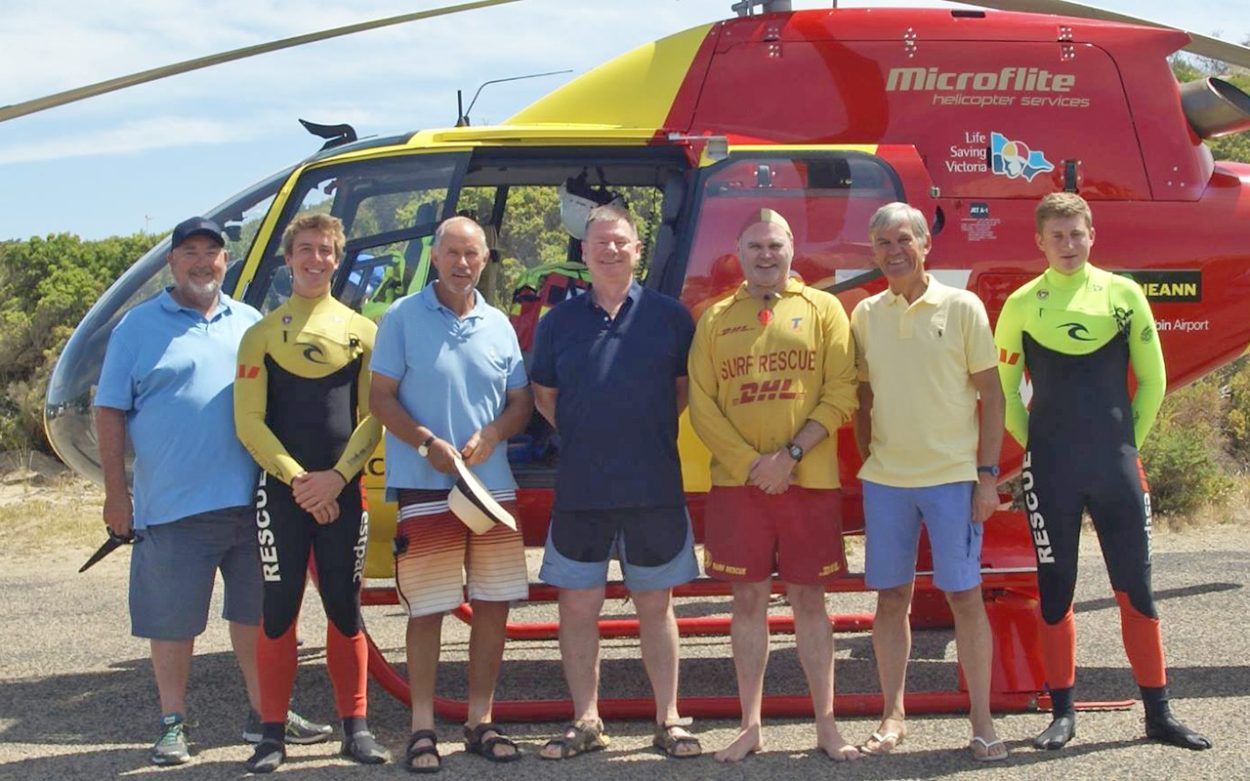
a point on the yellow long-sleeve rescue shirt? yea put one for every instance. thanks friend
(759, 370)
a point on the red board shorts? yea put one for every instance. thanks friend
(749, 535)
(436, 556)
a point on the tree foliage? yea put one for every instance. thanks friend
(46, 286)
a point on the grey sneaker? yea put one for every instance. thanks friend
(171, 747)
(299, 730)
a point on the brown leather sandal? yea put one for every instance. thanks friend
(579, 738)
(667, 740)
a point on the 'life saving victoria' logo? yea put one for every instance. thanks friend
(1015, 160)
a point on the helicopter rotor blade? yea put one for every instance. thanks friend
(122, 82)
(1202, 45)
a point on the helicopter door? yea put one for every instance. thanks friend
(827, 194)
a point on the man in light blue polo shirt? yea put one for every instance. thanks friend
(449, 383)
(167, 384)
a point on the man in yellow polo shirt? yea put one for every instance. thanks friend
(772, 377)
(924, 353)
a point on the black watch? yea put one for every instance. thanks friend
(795, 451)
(988, 469)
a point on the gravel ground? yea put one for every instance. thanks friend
(77, 699)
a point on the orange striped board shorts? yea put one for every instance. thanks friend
(436, 556)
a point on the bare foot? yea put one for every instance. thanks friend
(890, 733)
(830, 741)
(748, 742)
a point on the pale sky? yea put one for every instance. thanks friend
(149, 156)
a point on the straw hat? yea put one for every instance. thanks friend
(472, 503)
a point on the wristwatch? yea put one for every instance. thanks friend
(795, 451)
(424, 448)
(989, 469)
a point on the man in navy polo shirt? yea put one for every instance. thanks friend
(609, 372)
(166, 383)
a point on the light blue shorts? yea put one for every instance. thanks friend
(892, 518)
(603, 535)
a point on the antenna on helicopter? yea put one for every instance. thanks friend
(747, 7)
(462, 115)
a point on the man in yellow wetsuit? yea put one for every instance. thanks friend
(1078, 330)
(302, 410)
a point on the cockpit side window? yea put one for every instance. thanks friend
(826, 196)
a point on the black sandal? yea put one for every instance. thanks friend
(412, 752)
(474, 743)
(579, 738)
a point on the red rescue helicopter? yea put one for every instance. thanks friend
(822, 115)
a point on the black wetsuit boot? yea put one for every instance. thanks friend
(1162, 726)
(1063, 722)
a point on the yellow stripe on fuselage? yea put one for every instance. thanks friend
(634, 90)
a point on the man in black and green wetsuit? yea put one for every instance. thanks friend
(1078, 330)
(301, 405)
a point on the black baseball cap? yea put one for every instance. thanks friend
(197, 225)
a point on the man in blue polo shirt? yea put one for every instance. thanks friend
(609, 372)
(449, 383)
(166, 383)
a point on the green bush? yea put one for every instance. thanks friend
(1237, 421)
(46, 286)
(1184, 455)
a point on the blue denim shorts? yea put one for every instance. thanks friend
(892, 518)
(173, 568)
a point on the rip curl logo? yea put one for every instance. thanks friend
(312, 353)
(1015, 160)
(1077, 331)
(1037, 523)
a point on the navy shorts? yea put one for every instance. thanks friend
(655, 546)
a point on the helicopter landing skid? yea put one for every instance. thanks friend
(1017, 680)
